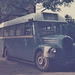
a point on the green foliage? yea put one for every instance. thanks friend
(10, 9)
(67, 16)
(53, 4)
(68, 1)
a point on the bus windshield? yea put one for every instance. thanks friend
(48, 28)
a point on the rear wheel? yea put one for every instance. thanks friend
(42, 63)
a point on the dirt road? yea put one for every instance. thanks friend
(13, 67)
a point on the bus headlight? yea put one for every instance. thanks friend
(52, 50)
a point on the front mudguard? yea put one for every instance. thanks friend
(45, 49)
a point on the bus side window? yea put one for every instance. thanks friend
(12, 30)
(1, 32)
(6, 31)
(28, 29)
(64, 29)
(20, 29)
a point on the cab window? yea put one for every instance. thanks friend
(20, 29)
(6, 31)
(1, 32)
(12, 30)
(28, 29)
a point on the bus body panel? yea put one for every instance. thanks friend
(22, 48)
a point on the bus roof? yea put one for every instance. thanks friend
(42, 16)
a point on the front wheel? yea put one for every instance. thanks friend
(41, 62)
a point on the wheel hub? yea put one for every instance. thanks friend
(40, 60)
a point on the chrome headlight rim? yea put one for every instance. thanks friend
(52, 50)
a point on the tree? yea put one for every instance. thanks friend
(69, 19)
(10, 9)
(53, 4)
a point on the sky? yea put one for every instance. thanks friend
(68, 10)
(64, 10)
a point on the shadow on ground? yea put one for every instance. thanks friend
(55, 68)
(15, 67)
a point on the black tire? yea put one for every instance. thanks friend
(41, 62)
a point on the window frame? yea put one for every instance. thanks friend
(7, 32)
(26, 25)
(14, 29)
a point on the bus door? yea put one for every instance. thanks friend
(29, 42)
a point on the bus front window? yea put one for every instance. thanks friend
(51, 28)
(64, 29)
